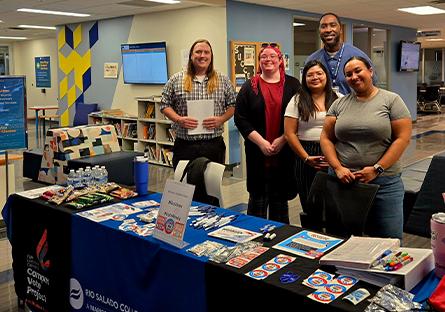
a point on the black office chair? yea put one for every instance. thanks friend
(337, 208)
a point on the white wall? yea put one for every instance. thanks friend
(179, 28)
(23, 54)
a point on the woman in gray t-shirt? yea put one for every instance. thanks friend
(363, 138)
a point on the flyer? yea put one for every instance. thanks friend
(234, 234)
(308, 244)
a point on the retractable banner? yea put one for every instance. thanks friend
(13, 132)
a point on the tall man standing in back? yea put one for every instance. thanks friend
(335, 52)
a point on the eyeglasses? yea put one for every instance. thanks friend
(269, 44)
(266, 57)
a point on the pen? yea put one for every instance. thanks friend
(377, 261)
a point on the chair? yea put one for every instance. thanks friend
(82, 111)
(341, 208)
(213, 176)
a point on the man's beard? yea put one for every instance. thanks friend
(331, 45)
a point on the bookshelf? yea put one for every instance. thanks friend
(149, 129)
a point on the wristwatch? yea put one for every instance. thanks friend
(379, 169)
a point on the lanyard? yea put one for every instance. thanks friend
(337, 67)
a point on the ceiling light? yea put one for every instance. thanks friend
(434, 39)
(37, 27)
(422, 10)
(165, 1)
(13, 38)
(53, 12)
(299, 24)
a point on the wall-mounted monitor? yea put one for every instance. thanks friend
(409, 56)
(145, 63)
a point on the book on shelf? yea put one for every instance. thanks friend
(153, 152)
(150, 111)
(171, 135)
(151, 131)
(117, 125)
(360, 252)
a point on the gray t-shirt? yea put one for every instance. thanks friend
(363, 128)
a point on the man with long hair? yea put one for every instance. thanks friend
(200, 85)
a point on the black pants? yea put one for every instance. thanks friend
(272, 200)
(306, 173)
(213, 149)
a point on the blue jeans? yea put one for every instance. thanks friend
(385, 219)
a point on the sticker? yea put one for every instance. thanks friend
(336, 289)
(258, 274)
(348, 281)
(271, 266)
(322, 296)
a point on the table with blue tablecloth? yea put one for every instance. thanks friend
(81, 265)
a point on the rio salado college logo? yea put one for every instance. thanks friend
(76, 294)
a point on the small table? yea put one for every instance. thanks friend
(37, 109)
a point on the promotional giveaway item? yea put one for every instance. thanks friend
(270, 267)
(308, 244)
(141, 175)
(438, 242)
(234, 234)
(173, 214)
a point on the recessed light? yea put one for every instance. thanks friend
(53, 12)
(423, 10)
(13, 38)
(165, 1)
(435, 39)
(37, 27)
(298, 24)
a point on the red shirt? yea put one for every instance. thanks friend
(273, 97)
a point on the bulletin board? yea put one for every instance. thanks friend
(244, 58)
(244, 61)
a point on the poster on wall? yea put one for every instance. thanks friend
(111, 70)
(43, 71)
(13, 134)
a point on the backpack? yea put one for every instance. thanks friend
(195, 175)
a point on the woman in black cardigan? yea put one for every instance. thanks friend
(259, 116)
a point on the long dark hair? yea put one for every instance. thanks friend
(306, 105)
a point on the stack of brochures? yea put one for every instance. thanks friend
(362, 258)
(360, 252)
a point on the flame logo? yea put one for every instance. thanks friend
(42, 251)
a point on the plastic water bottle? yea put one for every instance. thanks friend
(71, 178)
(87, 177)
(96, 173)
(104, 175)
(80, 176)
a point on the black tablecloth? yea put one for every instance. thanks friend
(229, 288)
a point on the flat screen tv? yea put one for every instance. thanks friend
(409, 56)
(145, 63)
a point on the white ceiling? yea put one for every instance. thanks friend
(377, 11)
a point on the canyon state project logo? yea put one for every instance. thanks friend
(76, 294)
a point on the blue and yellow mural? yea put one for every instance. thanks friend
(75, 43)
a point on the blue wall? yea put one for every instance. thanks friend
(248, 22)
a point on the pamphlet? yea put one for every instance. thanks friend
(360, 252)
(114, 211)
(234, 234)
(308, 244)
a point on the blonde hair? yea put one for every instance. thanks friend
(191, 72)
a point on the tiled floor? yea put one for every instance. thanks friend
(428, 139)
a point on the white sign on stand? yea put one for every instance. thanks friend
(173, 213)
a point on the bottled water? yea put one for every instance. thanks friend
(96, 173)
(104, 175)
(71, 178)
(87, 177)
(80, 177)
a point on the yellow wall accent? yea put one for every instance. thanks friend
(71, 97)
(77, 35)
(61, 38)
(63, 87)
(65, 118)
(80, 64)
